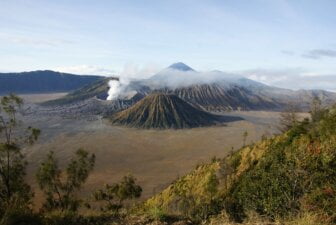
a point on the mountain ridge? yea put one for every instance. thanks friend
(43, 81)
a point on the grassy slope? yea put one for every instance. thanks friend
(283, 177)
(196, 183)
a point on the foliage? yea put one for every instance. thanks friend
(12, 160)
(272, 188)
(192, 196)
(245, 134)
(295, 174)
(288, 118)
(235, 160)
(17, 212)
(316, 109)
(289, 178)
(157, 213)
(60, 187)
(114, 195)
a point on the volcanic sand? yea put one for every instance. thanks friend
(154, 157)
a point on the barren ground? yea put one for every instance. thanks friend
(154, 157)
(37, 98)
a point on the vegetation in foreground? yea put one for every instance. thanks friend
(288, 176)
(286, 179)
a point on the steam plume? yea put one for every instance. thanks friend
(115, 88)
(167, 78)
(131, 72)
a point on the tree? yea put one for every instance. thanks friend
(316, 109)
(60, 187)
(288, 118)
(114, 195)
(245, 134)
(212, 184)
(13, 188)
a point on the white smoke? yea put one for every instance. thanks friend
(130, 72)
(115, 88)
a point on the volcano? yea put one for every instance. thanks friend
(180, 66)
(164, 111)
(213, 91)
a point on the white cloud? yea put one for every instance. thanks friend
(18, 39)
(129, 71)
(86, 70)
(293, 78)
(134, 71)
(271, 77)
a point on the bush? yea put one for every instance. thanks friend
(271, 187)
(114, 195)
(157, 213)
(20, 216)
(61, 193)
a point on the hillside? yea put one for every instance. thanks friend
(97, 89)
(289, 178)
(42, 82)
(219, 97)
(163, 111)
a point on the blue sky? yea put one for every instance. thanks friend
(280, 42)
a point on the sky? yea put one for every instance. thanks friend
(285, 43)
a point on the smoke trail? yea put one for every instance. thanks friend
(115, 88)
(167, 78)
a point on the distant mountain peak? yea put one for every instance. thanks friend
(181, 66)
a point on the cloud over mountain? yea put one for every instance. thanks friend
(85, 70)
(320, 53)
(293, 78)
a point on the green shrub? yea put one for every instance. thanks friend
(157, 213)
(235, 160)
(17, 216)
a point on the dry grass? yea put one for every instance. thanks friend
(307, 218)
(255, 219)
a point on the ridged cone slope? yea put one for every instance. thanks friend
(163, 111)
